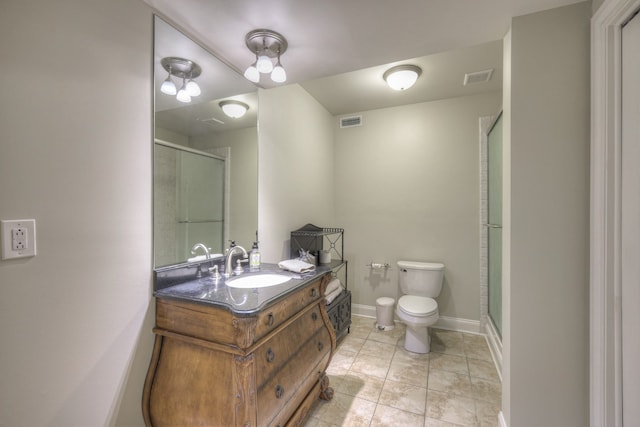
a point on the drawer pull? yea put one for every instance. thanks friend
(279, 391)
(320, 346)
(314, 292)
(314, 316)
(270, 319)
(270, 355)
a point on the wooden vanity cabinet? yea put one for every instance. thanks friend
(211, 367)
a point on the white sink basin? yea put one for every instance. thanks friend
(258, 280)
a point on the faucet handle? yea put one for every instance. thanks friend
(239, 269)
(214, 272)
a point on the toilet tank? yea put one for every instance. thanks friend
(420, 278)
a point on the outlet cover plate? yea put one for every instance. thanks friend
(7, 227)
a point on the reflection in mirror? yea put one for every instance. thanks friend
(188, 201)
(205, 162)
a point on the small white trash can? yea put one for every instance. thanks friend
(384, 313)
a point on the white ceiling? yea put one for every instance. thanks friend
(329, 40)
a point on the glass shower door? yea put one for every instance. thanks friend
(200, 202)
(494, 226)
(188, 202)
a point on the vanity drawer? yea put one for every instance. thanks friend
(275, 315)
(279, 396)
(280, 348)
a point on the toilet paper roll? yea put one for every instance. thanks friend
(325, 257)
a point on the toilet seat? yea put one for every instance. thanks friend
(416, 306)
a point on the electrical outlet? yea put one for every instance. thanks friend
(18, 238)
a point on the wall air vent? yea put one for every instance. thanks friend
(478, 77)
(349, 122)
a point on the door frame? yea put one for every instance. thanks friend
(605, 268)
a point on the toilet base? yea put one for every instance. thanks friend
(417, 340)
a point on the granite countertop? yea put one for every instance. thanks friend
(238, 300)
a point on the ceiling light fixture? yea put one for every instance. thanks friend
(183, 69)
(168, 86)
(234, 109)
(402, 77)
(251, 73)
(266, 45)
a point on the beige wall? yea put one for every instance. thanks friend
(75, 141)
(76, 155)
(295, 176)
(547, 292)
(407, 188)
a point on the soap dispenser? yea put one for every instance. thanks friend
(254, 256)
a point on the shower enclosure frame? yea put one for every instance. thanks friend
(486, 323)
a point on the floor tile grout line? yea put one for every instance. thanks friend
(398, 348)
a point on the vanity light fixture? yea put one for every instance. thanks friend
(402, 77)
(266, 45)
(234, 109)
(183, 69)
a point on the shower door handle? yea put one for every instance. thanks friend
(493, 225)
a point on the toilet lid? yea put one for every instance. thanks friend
(417, 306)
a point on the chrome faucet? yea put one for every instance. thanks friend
(228, 269)
(200, 245)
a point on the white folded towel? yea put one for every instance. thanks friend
(296, 265)
(330, 297)
(332, 286)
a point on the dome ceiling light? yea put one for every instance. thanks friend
(266, 45)
(402, 77)
(234, 109)
(184, 69)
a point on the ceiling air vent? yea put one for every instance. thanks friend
(349, 122)
(478, 77)
(211, 121)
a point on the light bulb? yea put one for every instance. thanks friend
(252, 74)
(264, 64)
(192, 88)
(183, 94)
(234, 109)
(168, 86)
(278, 74)
(401, 80)
(402, 77)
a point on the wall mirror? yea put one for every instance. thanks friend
(205, 162)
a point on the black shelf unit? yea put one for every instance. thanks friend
(314, 239)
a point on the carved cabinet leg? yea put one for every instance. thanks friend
(326, 392)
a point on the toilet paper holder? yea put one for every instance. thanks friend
(378, 265)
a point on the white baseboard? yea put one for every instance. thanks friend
(501, 420)
(457, 324)
(363, 310)
(451, 323)
(495, 346)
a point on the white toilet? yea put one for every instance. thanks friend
(420, 283)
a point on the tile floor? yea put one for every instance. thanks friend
(378, 383)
